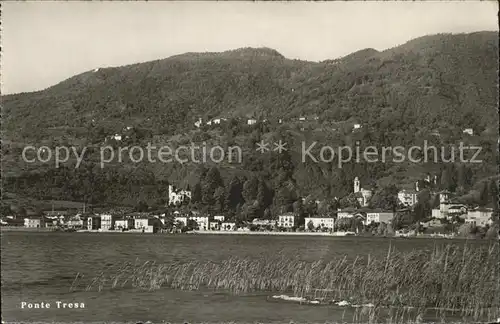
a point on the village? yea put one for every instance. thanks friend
(302, 121)
(347, 221)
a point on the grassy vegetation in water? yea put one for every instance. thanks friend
(462, 280)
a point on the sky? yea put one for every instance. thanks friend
(44, 43)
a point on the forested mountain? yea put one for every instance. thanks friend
(440, 83)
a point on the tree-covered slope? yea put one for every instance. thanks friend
(401, 95)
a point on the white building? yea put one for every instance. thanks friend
(141, 223)
(251, 121)
(263, 222)
(444, 204)
(469, 131)
(457, 210)
(32, 222)
(220, 120)
(366, 194)
(349, 213)
(479, 217)
(302, 118)
(357, 126)
(117, 137)
(177, 196)
(436, 213)
(326, 222)
(219, 218)
(106, 222)
(407, 197)
(344, 214)
(287, 220)
(181, 219)
(214, 226)
(228, 226)
(198, 123)
(121, 224)
(202, 221)
(75, 221)
(379, 217)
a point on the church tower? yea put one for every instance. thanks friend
(357, 185)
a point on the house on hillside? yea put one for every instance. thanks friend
(176, 196)
(198, 123)
(407, 197)
(447, 208)
(251, 121)
(468, 131)
(457, 210)
(364, 194)
(479, 216)
(216, 121)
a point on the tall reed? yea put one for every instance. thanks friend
(447, 279)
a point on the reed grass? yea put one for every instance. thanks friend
(450, 278)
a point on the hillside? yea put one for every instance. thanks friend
(441, 82)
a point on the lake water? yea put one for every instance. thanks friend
(40, 267)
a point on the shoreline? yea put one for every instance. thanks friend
(25, 229)
(340, 234)
(317, 234)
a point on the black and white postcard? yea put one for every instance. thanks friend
(249, 162)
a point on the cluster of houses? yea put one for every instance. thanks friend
(177, 196)
(119, 137)
(218, 121)
(152, 223)
(253, 121)
(139, 222)
(450, 210)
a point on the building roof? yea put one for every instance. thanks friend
(321, 217)
(347, 210)
(483, 209)
(457, 206)
(377, 210)
(55, 212)
(408, 191)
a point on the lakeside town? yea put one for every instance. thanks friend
(449, 219)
